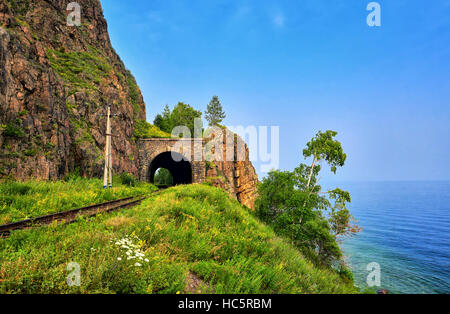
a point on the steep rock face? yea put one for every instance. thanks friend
(237, 176)
(55, 83)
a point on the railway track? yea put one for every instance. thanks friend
(70, 215)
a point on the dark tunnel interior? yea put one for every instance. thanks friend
(181, 170)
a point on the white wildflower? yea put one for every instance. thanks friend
(132, 250)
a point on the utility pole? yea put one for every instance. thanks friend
(108, 152)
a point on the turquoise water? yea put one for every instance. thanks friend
(406, 231)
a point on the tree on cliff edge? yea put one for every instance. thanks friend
(295, 205)
(214, 112)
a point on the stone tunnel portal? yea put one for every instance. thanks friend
(181, 170)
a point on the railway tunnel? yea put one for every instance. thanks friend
(238, 177)
(179, 168)
(157, 153)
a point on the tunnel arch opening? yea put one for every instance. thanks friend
(181, 171)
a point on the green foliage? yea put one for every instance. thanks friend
(15, 188)
(163, 177)
(13, 129)
(19, 7)
(284, 206)
(324, 147)
(23, 200)
(80, 69)
(214, 112)
(294, 204)
(181, 115)
(143, 129)
(30, 152)
(128, 179)
(73, 175)
(163, 121)
(23, 113)
(184, 230)
(346, 273)
(134, 93)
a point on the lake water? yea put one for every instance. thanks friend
(406, 231)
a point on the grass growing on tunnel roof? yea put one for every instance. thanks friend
(192, 236)
(23, 200)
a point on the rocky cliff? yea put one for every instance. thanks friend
(55, 83)
(237, 176)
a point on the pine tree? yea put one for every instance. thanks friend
(214, 112)
(163, 121)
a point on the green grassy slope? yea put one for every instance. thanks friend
(31, 199)
(185, 239)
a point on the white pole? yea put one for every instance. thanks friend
(110, 164)
(107, 148)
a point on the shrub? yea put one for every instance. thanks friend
(143, 129)
(128, 179)
(13, 129)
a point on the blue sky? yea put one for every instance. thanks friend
(305, 66)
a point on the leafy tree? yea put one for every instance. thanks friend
(181, 115)
(184, 115)
(214, 112)
(294, 204)
(324, 147)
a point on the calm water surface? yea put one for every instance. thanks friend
(406, 231)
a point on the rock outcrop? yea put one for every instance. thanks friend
(237, 176)
(55, 83)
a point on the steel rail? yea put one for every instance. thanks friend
(70, 215)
